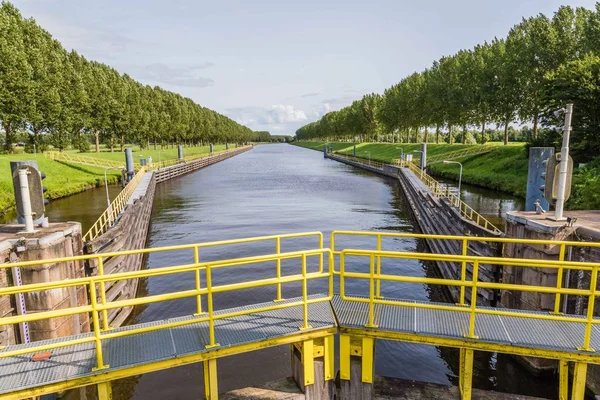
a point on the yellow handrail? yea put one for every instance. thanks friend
(465, 241)
(101, 333)
(474, 284)
(75, 158)
(110, 215)
(443, 191)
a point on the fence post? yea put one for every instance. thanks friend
(278, 267)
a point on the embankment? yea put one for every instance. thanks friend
(503, 169)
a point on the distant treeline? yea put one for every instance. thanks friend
(59, 96)
(542, 64)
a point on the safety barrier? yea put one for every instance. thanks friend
(373, 276)
(74, 158)
(454, 155)
(365, 161)
(466, 241)
(443, 191)
(98, 303)
(116, 207)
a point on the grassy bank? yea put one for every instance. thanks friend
(164, 154)
(504, 169)
(61, 179)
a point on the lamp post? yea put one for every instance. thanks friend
(401, 154)
(459, 175)
(106, 187)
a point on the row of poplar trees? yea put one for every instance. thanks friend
(48, 91)
(542, 64)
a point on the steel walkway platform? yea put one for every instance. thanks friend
(435, 324)
(67, 363)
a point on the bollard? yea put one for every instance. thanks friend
(226, 145)
(354, 152)
(129, 164)
(211, 148)
(180, 152)
(325, 151)
(423, 156)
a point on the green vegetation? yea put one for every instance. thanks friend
(158, 154)
(61, 179)
(54, 97)
(543, 63)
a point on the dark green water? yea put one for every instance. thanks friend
(280, 189)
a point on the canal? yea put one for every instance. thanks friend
(279, 189)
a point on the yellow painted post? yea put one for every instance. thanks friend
(579, 378)
(378, 295)
(104, 391)
(371, 323)
(329, 358)
(211, 320)
(463, 272)
(590, 310)
(473, 301)
(345, 357)
(321, 247)
(368, 358)
(342, 270)
(198, 283)
(96, 322)
(278, 251)
(308, 362)
(103, 295)
(559, 279)
(211, 387)
(305, 324)
(466, 374)
(563, 386)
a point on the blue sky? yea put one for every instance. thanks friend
(276, 65)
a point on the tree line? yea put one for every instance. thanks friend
(47, 92)
(542, 64)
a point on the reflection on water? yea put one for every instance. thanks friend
(281, 189)
(84, 207)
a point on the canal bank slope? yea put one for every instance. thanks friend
(503, 169)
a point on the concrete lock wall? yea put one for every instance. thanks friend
(58, 240)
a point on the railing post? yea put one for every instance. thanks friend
(378, 292)
(371, 323)
(559, 279)
(198, 282)
(590, 311)
(305, 324)
(463, 272)
(342, 280)
(96, 321)
(103, 295)
(278, 267)
(471, 333)
(211, 321)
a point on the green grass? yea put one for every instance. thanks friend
(164, 154)
(504, 169)
(61, 179)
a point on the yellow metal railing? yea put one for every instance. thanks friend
(98, 303)
(465, 241)
(110, 215)
(74, 158)
(473, 310)
(443, 191)
(471, 151)
(364, 161)
(193, 157)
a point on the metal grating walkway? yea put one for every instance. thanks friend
(523, 332)
(70, 362)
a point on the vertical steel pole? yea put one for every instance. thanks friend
(563, 168)
(25, 200)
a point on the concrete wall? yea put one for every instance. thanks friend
(58, 240)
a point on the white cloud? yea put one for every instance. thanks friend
(277, 118)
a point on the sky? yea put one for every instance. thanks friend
(277, 65)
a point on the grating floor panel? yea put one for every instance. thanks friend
(518, 331)
(18, 373)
